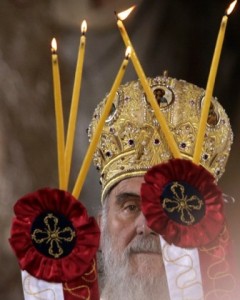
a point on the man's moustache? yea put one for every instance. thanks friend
(142, 244)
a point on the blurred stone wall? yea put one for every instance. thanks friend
(175, 35)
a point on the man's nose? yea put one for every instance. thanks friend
(141, 225)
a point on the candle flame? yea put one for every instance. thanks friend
(128, 52)
(124, 14)
(84, 27)
(231, 7)
(54, 45)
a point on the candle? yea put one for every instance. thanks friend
(150, 96)
(59, 115)
(93, 145)
(75, 102)
(210, 85)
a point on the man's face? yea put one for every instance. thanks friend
(131, 250)
(127, 228)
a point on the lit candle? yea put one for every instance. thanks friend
(75, 102)
(93, 145)
(150, 96)
(210, 85)
(59, 115)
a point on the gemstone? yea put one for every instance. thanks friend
(191, 102)
(131, 142)
(205, 156)
(112, 130)
(183, 145)
(108, 154)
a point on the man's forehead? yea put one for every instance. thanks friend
(129, 185)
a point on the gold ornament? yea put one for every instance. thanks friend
(132, 142)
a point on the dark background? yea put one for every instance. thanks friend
(178, 36)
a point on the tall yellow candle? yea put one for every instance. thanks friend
(151, 98)
(75, 102)
(210, 86)
(93, 145)
(59, 115)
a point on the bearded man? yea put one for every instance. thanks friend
(162, 224)
(133, 263)
(164, 233)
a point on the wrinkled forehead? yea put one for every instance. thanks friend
(130, 185)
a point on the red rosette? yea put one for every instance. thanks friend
(182, 203)
(52, 235)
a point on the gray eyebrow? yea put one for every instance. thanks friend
(122, 197)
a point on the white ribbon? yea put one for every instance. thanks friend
(183, 272)
(36, 289)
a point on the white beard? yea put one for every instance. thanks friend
(131, 276)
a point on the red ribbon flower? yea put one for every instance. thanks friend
(182, 203)
(52, 235)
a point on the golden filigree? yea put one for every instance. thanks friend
(53, 236)
(182, 204)
(73, 291)
(93, 272)
(132, 141)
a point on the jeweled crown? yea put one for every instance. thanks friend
(132, 142)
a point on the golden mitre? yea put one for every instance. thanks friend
(132, 141)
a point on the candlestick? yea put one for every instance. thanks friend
(150, 96)
(75, 102)
(59, 115)
(92, 147)
(210, 85)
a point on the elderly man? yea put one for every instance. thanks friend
(132, 255)
(179, 263)
(163, 230)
